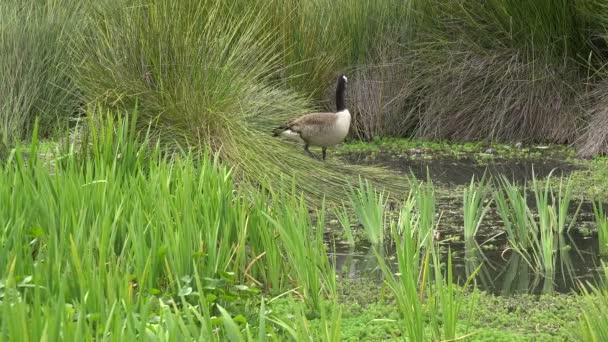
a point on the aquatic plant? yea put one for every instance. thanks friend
(539, 241)
(144, 266)
(342, 216)
(416, 290)
(473, 206)
(449, 301)
(369, 205)
(424, 195)
(409, 283)
(602, 226)
(593, 323)
(517, 218)
(553, 212)
(307, 256)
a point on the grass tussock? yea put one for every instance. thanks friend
(221, 95)
(34, 62)
(431, 69)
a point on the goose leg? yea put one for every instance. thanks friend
(324, 152)
(310, 152)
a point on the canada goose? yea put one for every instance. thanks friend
(320, 129)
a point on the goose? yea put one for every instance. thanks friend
(320, 129)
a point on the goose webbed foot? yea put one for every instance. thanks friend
(310, 153)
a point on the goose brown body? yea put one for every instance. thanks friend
(320, 129)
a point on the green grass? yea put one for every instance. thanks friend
(92, 250)
(225, 95)
(185, 220)
(592, 323)
(474, 207)
(34, 67)
(369, 205)
(408, 284)
(602, 226)
(465, 71)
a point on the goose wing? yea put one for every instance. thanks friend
(312, 121)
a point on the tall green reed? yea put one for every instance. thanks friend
(539, 240)
(424, 194)
(419, 292)
(447, 300)
(304, 250)
(473, 207)
(518, 220)
(602, 226)
(594, 306)
(408, 283)
(126, 238)
(369, 205)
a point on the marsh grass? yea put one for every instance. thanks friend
(602, 226)
(316, 277)
(594, 304)
(34, 63)
(553, 214)
(422, 290)
(211, 85)
(369, 205)
(408, 284)
(343, 217)
(93, 243)
(449, 301)
(539, 240)
(424, 195)
(512, 206)
(473, 206)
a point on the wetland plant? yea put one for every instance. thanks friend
(473, 206)
(593, 323)
(90, 253)
(517, 218)
(538, 239)
(447, 300)
(424, 195)
(369, 205)
(306, 255)
(408, 283)
(418, 292)
(553, 214)
(343, 218)
(602, 226)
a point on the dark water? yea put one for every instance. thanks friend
(459, 171)
(502, 270)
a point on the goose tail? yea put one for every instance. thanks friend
(279, 130)
(286, 132)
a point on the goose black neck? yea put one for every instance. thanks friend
(340, 104)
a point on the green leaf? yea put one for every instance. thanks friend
(184, 291)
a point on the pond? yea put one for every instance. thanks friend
(503, 271)
(451, 170)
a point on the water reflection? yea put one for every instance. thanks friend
(503, 271)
